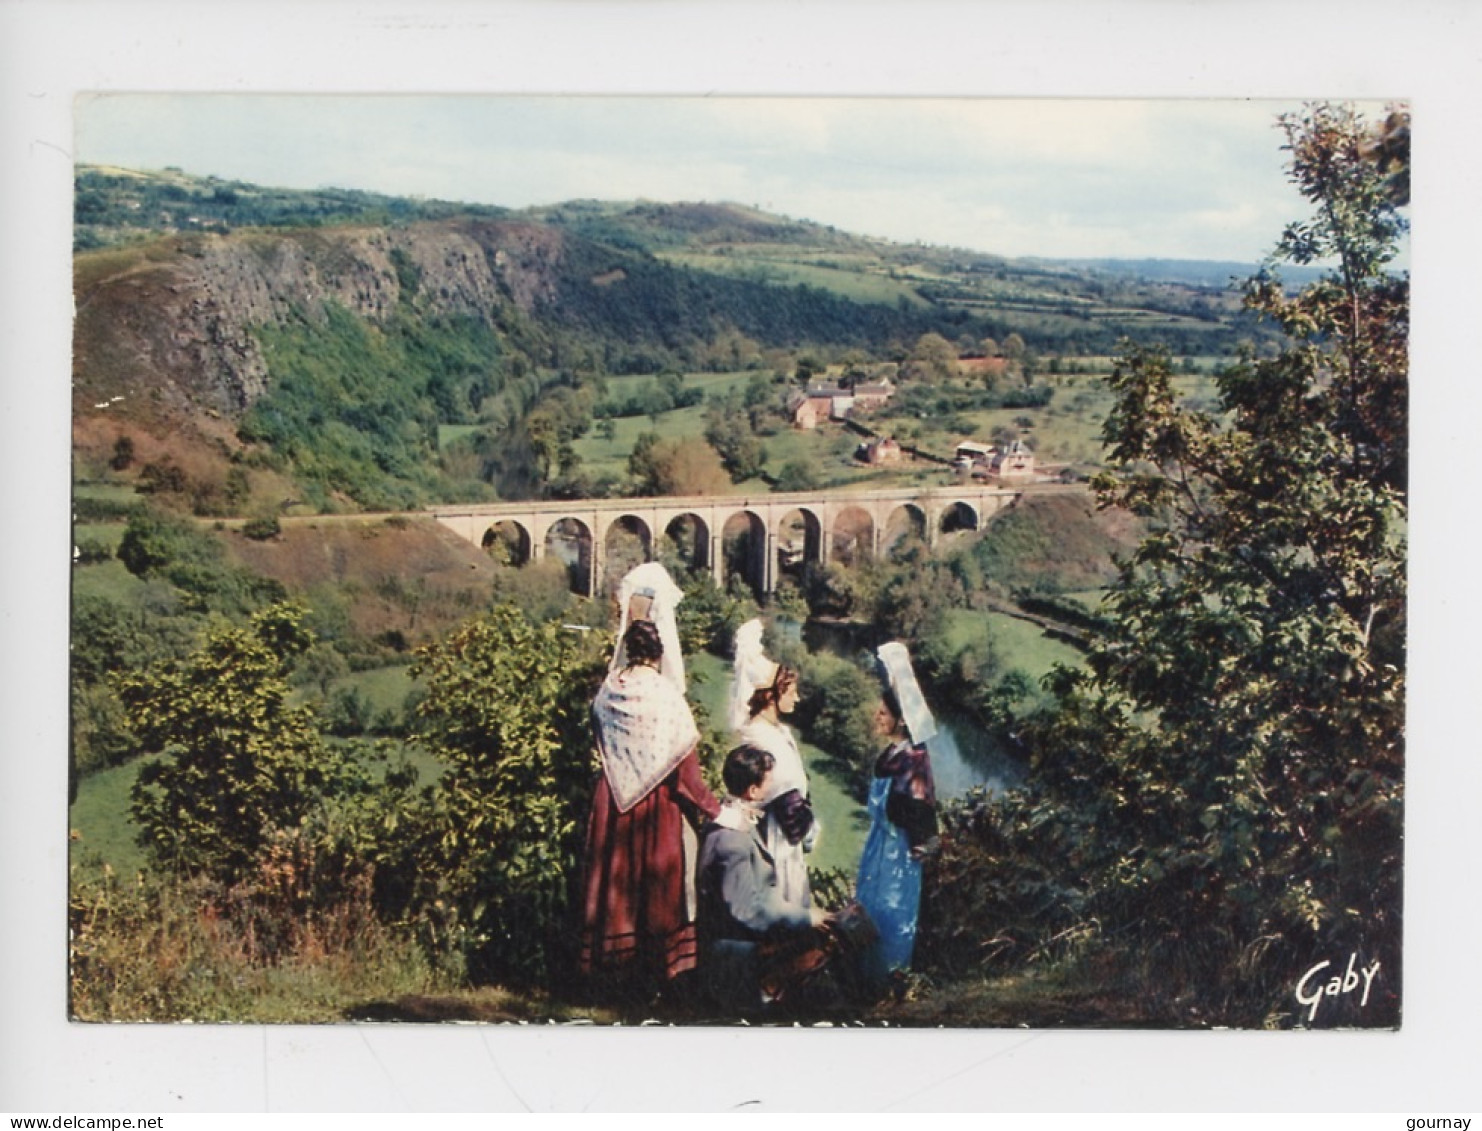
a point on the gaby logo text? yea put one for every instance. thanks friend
(1311, 990)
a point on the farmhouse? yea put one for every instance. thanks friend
(820, 402)
(970, 453)
(1015, 462)
(873, 394)
(880, 450)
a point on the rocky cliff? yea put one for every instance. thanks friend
(171, 326)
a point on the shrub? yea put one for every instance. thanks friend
(506, 708)
(237, 762)
(90, 551)
(835, 709)
(166, 949)
(262, 527)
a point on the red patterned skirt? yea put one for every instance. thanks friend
(638, 890)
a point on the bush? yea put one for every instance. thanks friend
(835, 710)
(506, 709)
(237, 762)
(165, 950)
(262, 527)
(1001, 892)
(155, 544)
(100, 731)
(90, 551)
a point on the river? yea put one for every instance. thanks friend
(963, 758)
(963, 755)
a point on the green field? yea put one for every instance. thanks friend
(385, 688)
(1018, 643)
(601, 457)
(99, 821)
(449, 434)
(108, 534)
(845, 281)
(108, 579)
(121, 494)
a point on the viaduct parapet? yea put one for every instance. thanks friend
(762, 534)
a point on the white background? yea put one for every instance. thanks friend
(48, 52)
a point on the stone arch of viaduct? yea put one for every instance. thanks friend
(789, 527)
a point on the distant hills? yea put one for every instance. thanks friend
(1191, 272)
(320, 339)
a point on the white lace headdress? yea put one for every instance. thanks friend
(752, 670)
(895, 664)
(652, 580)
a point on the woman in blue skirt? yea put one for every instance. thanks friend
(903, 818)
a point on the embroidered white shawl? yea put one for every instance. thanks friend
(644, 730)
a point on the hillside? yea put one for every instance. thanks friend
(400, 582)
(250, 347)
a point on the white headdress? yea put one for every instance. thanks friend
(752, 670)
(895, 666)
(652, 581)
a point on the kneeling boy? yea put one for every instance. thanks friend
(755, 945)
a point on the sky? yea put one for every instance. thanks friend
(1064, 178)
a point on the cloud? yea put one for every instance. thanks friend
(1058, 177)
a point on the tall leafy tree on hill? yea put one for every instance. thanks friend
(1223, 788)
(506, 712)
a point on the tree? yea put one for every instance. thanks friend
(1226, 779)
(934, 358)
(799, 475)
(238, 762)
(728, 431)
(506, 711)
(687, 466)
(643, 463)
(691, 467)
(123, 453)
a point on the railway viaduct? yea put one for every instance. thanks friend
(761, 535)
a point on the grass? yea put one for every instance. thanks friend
(108, 534)
(99, 821)
(823, 448)
(860, 286)
(1090, 599)
(1068, 429)
(108, 579)
(1018, 643)
(385, 688)
(122, 494)
(157, 951)
(448, 434)
(601, 457)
